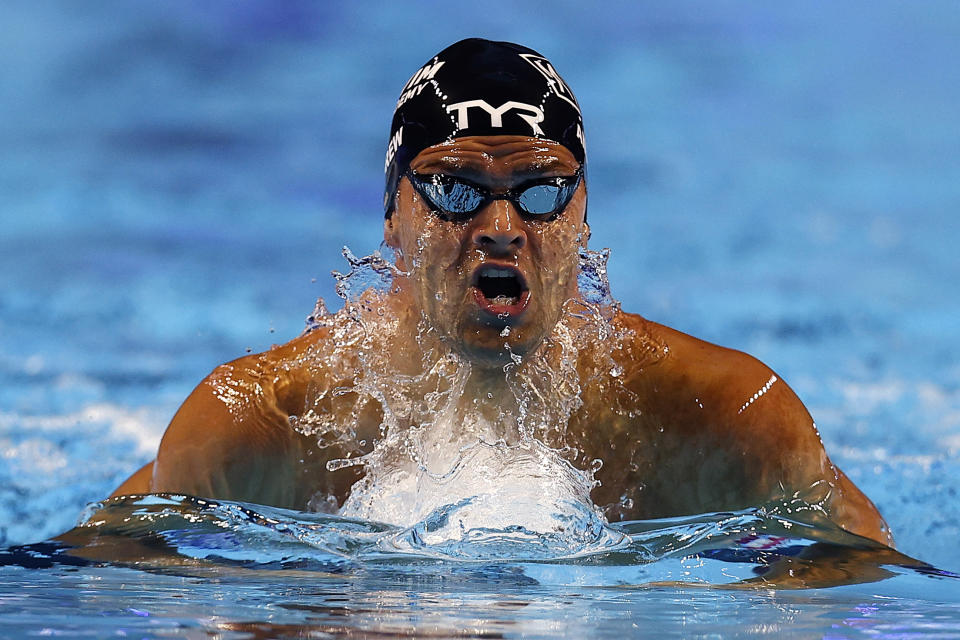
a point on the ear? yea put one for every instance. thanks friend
(390, 235)
(584, 235)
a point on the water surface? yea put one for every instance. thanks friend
(178, 181)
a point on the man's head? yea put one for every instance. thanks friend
(486, 199)
(478, 87)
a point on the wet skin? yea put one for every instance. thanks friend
(444, 258)
(687, 427)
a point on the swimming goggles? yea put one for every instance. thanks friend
(457, 200)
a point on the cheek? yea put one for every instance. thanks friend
(560, 259)
(433, 259)
(430, 246)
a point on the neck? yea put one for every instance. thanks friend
(457, 398)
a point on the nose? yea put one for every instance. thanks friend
(498, 229)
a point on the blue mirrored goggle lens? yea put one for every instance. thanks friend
(541, 199)
(457, 199)
(451, 195)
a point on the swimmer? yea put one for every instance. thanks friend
(486, 211)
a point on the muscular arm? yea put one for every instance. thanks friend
(231, 438)
(782, 447)
(719, 430)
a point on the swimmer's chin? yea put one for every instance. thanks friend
(491, 359)
(496, 351)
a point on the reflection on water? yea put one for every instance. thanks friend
(254, 571)
(749, 548)
(480, 603)
(177, 565)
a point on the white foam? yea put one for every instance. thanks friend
(525, 485)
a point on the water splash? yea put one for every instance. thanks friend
(455, 467)
(492, 485)
(593, 283)
(759, 547)
(368, 276)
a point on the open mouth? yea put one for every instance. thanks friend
(500, 290)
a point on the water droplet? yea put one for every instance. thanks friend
(592, 280)
(369, 273)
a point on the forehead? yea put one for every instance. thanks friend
(496, 158)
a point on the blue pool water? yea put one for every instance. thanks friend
(178, 179)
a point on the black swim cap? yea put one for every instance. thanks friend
(479, 87)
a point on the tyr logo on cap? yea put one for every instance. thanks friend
(533, 115)
(477, 87)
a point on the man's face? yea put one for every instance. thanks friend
(494, 283)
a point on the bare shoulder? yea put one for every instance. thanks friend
(290, 356)
(726, 402)
(728, 378)
(744, 432)
(231, 438)
(252, 396)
